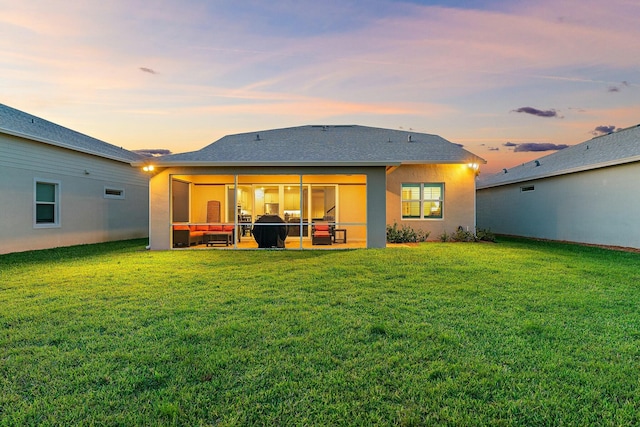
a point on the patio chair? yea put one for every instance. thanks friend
(321, 234)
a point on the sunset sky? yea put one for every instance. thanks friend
(506, 79)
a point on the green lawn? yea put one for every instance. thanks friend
(513, 333)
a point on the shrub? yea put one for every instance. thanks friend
(462, 235)
(485, 235)
(405, 234)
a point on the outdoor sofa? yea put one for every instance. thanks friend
(185, 235)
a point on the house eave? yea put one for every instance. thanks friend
(444, 162)
(315, 163)
(263, 164)
(63, 145)
(569, 171)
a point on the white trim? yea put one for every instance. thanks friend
(57, 202)
(422, 202)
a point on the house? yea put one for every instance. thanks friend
(355, 179)
(587, 193)
(59, 187)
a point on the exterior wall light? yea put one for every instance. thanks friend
(475, 167)
(148, 168)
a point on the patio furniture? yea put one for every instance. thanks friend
(321, 234)
(339, 235)
(293, 225)
(185, 235)
(218, 237)
(245, 224)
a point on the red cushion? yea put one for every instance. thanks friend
(321, 234)
(227, 227)
(192, 227)
(322, 227)
(181, 227)
(215, 228)
(200, 227)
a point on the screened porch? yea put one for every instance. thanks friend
(268, 211)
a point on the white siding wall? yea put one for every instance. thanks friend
(601, 206)
(86, 216)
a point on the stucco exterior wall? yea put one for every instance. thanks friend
(600, 206)
(459, 197)
(86, 216)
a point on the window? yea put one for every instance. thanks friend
(113, 193)
(422, 201)
(47, 204)
(527, 188)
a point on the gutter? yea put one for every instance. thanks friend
(162, 164)
(203, 163)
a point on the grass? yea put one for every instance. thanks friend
(514, 333)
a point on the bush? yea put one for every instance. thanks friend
(461, 235)
(485, 235)
(405, 234)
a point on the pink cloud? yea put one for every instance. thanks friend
(419, 64)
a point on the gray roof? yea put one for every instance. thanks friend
(324, 146)
(18, 123)
(612, 149)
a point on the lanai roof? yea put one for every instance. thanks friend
(18, 123)
(612, 149)
(323, 146)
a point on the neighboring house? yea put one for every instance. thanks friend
(357, 179)
(59, 187)
(587, 193)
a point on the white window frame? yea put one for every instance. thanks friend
(422, 201)
(56, 203)
(114, 196)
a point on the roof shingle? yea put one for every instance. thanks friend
(612, 149)
(19, 123)
(326, 145)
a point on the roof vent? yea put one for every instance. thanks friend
(537, 163)
(389, 140)
(409, 139)
(505, 170)
(257, 137)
